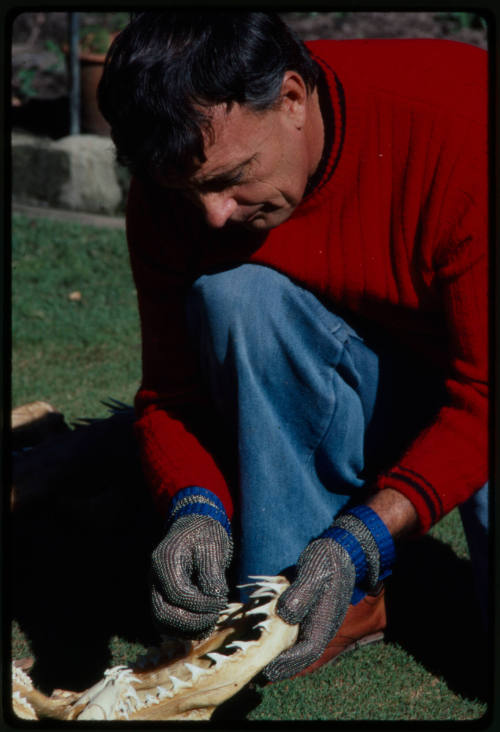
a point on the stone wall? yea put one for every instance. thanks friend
(78, 173)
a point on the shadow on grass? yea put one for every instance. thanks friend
(80, 555)
(80, 560)
(433, 614)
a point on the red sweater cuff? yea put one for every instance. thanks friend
(419, 492)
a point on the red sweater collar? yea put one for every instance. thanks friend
(335, 128)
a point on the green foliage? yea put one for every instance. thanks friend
(461, 20)
(94, 39)
(26, 79)
(118, 21)
(54, 48)
(124, 651)
(20, 644)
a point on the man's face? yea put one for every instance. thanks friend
(256, 168)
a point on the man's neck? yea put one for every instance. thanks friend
(316, 132)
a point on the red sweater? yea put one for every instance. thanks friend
(395, 232)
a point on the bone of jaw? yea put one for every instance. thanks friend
(190, 687)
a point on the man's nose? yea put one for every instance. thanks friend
(218, 208)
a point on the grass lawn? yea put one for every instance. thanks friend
(72, 352)
(80, 593)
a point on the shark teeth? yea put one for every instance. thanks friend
(162, 693)
(233, 607)
(132, 697)
(196, 671)
(218, 658)
(264, 625)
(179, 684)
(260, 609)
(272, 587)
(119, 673)
(263, 592)
(267, 583)
(242, 645)
(265, 586)
(24, 703)
(260, 585)
(123, 710)
(116, 672)
(21, 678)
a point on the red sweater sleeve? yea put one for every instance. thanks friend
(448, 462)
(173, 426)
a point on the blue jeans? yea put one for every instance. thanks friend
(312, 411)
(474, 513)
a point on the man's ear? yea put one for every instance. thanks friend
(293, 97)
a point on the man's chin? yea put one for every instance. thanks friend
(258, 224)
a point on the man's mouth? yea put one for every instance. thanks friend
(248, 219)
(265, 208)
(254, 215)
(259, 212)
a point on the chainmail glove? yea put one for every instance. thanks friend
(345, 557)
(189, 586)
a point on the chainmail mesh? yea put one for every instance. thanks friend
(318, 599)
(372, 555)
(189, 586)
(191, 499)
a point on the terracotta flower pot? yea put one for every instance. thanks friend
(91, 67)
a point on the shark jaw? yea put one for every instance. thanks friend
(178, 680)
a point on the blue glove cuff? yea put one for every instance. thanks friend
(380, 532)
(215, 509)
(384, 540)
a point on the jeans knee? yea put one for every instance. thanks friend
(231, 301)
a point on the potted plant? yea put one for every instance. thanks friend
(93, 44)
(94, 41)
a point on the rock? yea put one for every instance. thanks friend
(77, 172)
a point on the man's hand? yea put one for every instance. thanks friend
(354, 554)
(318, 600)
(189, 587)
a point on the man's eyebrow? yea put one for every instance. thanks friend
(225, 175)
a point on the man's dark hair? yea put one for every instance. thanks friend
(166, 69)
